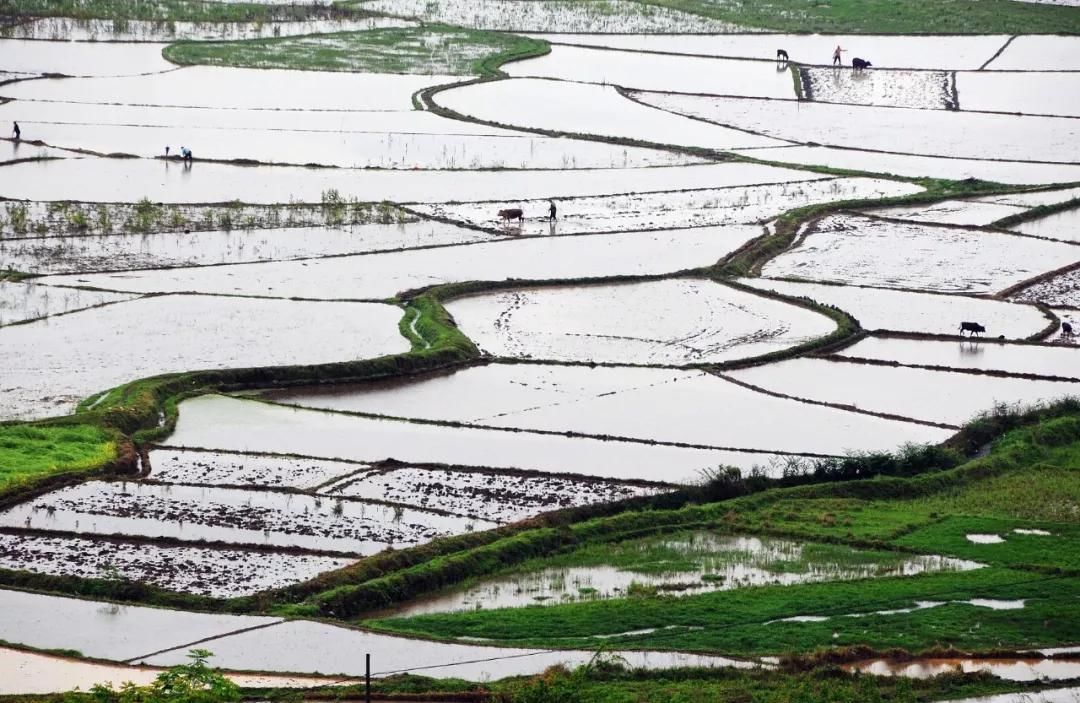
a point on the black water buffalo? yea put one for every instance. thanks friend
(973, 327)
(859, 64)
(514, 213)
(1066, 329)
(781, 55)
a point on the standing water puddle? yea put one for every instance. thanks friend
(1011, 669)
(985, 539)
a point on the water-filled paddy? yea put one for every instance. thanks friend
(1015, 172)
(663, 322)
(239, 425)
(59, 29)
(171, 465)
(119, 252)
(651, 404)
(1008, 669)
(111, 180)
(1060, 225)
(1026, 93)
(265, 518)
(93, 350)
(925, 132)
(664, 210)
(933, 52)
(925, 90)
(1062, 290)
(677, 565)
(108, 630)
(26, 300)
(309, 646)
(588, 109)
(921, 313)
(75, 59)
(990, 355)
(859, 250)
(678, 74)
(952, 212)
(1039, 53)
(617, 16)
(1034, 199)
(378, 276)
(221, 573)
(935, 396)
(499, 497)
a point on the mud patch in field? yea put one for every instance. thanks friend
(925, 90)
(1062, 290)
(221, 468)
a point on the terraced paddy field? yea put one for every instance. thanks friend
(541, 351)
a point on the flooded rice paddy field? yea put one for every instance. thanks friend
(677, 565)
(677, 74)
(931, 396)
(23, 301)
(316, 647)
(235, 516)
(96, 349)
(924, 257)
(917, 313)
(380, 276)
(672, 210)
(257, 493)
(230, 424)
(926, 132)
(674, 322)
(924, 90)
(655, 405)
(953, 53)
(66, 29)
(617, 16)
(30, 672)
(214, 572)
(974, 354)
(1062, 290)
(162, 250)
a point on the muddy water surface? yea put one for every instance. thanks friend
(221, 468)
(1064, 226)
(1010, 669)
(1028, 359)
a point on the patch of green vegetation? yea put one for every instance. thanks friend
(432, 49)
(171, 10)
(28, 452)
(887, 16)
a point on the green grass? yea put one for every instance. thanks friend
(887, 16)
(167, 10)
(29, 452)
(434, 49)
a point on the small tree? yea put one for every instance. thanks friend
(194, 682)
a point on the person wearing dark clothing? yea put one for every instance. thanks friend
(551, 210)
(17, 132)
(836, 55)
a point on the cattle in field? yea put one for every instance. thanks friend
(859, 64)
(781, 55)
(1066, 329)
(514, 213)
(973, 327)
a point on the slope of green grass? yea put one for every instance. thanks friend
(434, 49)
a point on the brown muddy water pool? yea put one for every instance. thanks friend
(695, 563)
